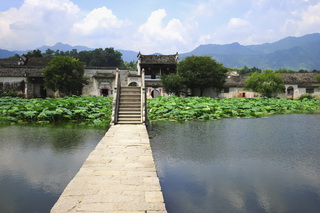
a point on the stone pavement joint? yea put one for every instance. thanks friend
(119, 176)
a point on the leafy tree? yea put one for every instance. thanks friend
(173, 83)
(65, 74)
(101, 58)
(201, 72)
(248, 71)
(34, 53)
(130, 65)
(267, 83)
(48, 53)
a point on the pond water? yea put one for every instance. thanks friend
(239, 165)
(37, 163)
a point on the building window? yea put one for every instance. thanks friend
(310, 90)
(226, 90)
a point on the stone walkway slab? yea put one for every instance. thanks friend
(119, 176)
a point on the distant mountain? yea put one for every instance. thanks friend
(6, 53)
(64, 47)
(128, 55)
(292, 53)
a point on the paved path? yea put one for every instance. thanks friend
(119, 176)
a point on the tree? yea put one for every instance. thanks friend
(101, 58)
(201, 72)
(34, 53)
(267, 83)
(65, 74)
(173, 83)
(248, 71)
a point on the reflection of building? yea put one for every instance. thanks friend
(155, 66)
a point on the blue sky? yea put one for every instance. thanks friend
(151, 26)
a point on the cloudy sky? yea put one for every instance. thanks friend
(150, 26)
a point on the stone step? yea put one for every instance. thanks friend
(129, 112)
(130, 93)
(129, 119)
(126, 110)
(129, 100)
(129, 122)
(136, 96)
(130, 105)
(126, 117)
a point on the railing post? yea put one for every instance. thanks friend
(143, 98)
(115, 102)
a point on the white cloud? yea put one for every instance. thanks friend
(36, 22)
(100, 21)
(210, 7)
(164, 37)
(304, 22)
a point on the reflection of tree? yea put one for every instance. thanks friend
(278, 138)
(191, 141)
(60, 138)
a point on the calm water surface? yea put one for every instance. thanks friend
(36, 164)
(240, 165)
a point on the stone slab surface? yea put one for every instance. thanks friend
(119, 176)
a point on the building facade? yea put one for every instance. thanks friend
(155, 66)
(24, 78)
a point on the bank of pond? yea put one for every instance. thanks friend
(91, 110)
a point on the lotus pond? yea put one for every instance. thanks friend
(202, 108)
(89, 110)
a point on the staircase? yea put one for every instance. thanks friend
(129, 111)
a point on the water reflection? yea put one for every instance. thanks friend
(240, 165)
(36, 163)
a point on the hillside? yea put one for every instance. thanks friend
(292, 53)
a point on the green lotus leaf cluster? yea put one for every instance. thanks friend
(84, 109)
(204, 108)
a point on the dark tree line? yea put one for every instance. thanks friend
(107, 57)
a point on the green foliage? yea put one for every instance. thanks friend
(173, 83)
(130, 65)
(88, 109)
(34, 53)
(318, 78)
(101, 58)
(268, 83)
(65, 74)
(10, 92)
(202, 72)
(306, 96)
(284, 71)
(249, 71)
(203, 108)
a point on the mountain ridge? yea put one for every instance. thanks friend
(291, 53)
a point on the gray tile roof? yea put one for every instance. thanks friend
(158, 59)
